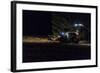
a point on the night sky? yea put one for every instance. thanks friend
(39, 22)
(36, 23)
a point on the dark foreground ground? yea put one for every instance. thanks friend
(40, 52)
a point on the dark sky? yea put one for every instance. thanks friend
(36, 23)
(76, 18)
(39, 22)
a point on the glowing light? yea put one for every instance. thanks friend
(78, 25)
(81, 25)
(62, 33)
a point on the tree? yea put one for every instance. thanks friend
(60, 23)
